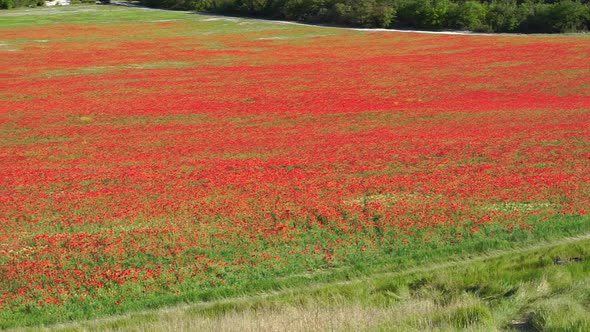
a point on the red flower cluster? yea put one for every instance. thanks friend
(161, 156)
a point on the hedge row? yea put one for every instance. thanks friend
(545, 16)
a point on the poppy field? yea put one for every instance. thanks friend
(151, 157)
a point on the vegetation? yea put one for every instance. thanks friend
(531, 16)
(156, 158)
(7, 4)
(527, 288)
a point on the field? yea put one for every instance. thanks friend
(151, 158)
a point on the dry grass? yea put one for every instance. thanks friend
(413, 315)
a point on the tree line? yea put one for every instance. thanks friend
(8, 4)
(524, 16)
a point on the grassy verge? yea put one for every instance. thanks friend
(523, 285)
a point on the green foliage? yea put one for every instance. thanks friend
(569, 16)
(438, 13)
(179, 4)
(467, 316)
(371, 13)
(560, 314)
(414, 13)
(6, 4)
(469, 15)
(304, 10)
(531, 16)
(504, 16)
(562, 16)
(474, 15)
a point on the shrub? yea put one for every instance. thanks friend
(5, 4)
(504, 16)
(531, 16)
(537, 18)
(413, 13)
(363, 13)
(304, 10)
(469, 15)
(569, 16)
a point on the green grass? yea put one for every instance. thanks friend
(104, 15)
(77, 14)
(516, 288)
(480, 283)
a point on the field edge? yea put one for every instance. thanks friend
(290, 290)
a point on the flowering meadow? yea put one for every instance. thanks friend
(149, 157)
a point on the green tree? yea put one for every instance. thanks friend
(5, 4)
(469, 15)
(528, 16)
(537, 18)
(569, 16)
(256, 6)
(306, 10)
(437, 14)
(367, 13)
(504, 16)
(413, 13)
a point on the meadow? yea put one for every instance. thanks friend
(150, 158)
